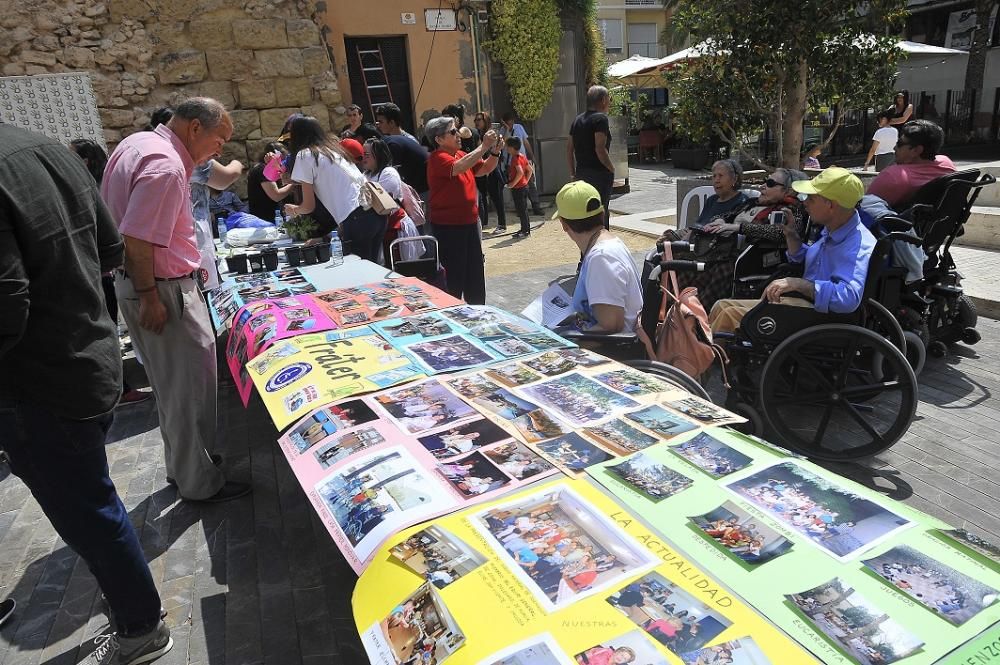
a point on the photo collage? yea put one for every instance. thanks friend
(227, 298)
(368, 303)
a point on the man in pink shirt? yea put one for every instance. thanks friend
(917, 163)
(146, 188)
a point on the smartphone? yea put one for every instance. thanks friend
(777, 217)
(495, 127)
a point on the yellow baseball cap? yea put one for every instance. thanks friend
(577, 200)
(834, 183)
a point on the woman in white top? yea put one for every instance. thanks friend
(883, 149)
(327, 172)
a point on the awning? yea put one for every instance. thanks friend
(916, 48)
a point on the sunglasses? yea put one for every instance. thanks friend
(453, 131)
(771, 182)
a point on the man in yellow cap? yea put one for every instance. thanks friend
(835, 265)
(607, 298)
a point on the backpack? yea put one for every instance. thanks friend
(412, 204)
(683, 336)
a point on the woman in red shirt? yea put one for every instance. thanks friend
(453, 206)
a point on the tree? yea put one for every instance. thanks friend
(764, 63)
(975, 70)
(525, 36)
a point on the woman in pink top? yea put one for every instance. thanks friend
(602, 655)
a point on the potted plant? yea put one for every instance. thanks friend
(301, 227)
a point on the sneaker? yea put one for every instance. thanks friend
(104, 652)
(521, 234)
(145, 648)
(6, 609)
(498, 230)
(538, 212)
(134, 397)
(231, 490)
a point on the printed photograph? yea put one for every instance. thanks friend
(487, 330)
(539, 340)
(517, 460)
(449, 354)
(743, 651)
(512, 375)
(425, 326)
(854, 624)
(471, 386)
(438, 556)
(711, 455)
(346, 445)
(473, 474)
(420, 630)
(462, 438)
(632, 382)
(266, 360)
(744, 537)
(538, 650)
(973, 542)
(466, 314)
(561, 547)
(303, 313)
(660, 421)
(511, 347)
(631, 647)
(550, 363)
(572, 452)
(619, 436)
(577, 399)
(301, 324)
(288, 303)
(377, 487)
(300, 399)
(668, 614)
(583, 358)
(703, 411)
(649, 478)
(839, 521)
(505, 404)
(538, 425)
(952, 595)
(424, 406)
(329, 420)
(354, 318)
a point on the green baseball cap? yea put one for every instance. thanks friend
(834, 183)
(577, 200)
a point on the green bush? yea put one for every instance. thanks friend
(525, 36)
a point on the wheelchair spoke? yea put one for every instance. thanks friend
(861, 421)
(880, 387)
(852, 350)
(806, 398)
(823, 423)
(807, 364)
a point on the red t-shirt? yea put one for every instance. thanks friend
(453, 199)
(522, 161)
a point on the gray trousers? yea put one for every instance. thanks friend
(181, 365)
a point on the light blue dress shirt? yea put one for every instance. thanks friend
(837, 265)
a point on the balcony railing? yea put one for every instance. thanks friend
(643, 3)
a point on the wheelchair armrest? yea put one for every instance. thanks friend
(623, 337)
(895, 224)
(897, 236)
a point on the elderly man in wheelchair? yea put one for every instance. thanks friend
(811, 360)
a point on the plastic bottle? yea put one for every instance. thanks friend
(279, 220)
(221, 225)
(336, 250)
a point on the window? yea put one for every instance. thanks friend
(611, 32)
(642, 40)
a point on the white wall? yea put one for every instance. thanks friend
(948, 73)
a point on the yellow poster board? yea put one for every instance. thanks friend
(630, 591)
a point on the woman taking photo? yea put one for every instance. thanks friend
(490, 186)
(266, 197)
(452, 206)
(326, 172)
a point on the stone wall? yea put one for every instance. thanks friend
(263, 59)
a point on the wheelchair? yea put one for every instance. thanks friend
(834, 387)
(933, 311)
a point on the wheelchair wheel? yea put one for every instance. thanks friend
(824, 397)
(671, 375)
(916, 351)
(884, 323)
(754, 424)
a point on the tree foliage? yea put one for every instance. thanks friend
(764, 62)
(525, 36)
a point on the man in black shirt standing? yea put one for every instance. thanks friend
(588, 145)
(408, 156)
(61, 372)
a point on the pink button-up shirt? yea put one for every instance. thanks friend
(146, 188)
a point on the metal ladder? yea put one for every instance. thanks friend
(374, 76)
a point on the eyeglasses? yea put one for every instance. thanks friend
(771, 182)
(453, 131)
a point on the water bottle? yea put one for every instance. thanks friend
(221, 225)
(336, 250)
(279, 220)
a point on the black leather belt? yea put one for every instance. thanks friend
(190, 275)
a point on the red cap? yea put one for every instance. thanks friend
(356, 149)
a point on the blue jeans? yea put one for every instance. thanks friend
(64, 464)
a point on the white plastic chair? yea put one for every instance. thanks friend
(701, 193)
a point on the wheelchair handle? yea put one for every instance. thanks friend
(899, 236)
(675, 246)
(683, 266)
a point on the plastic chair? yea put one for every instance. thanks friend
(701, 193)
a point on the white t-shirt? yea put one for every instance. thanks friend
(390, 181)
(886, 137)
(336, 185)
(609, 277)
